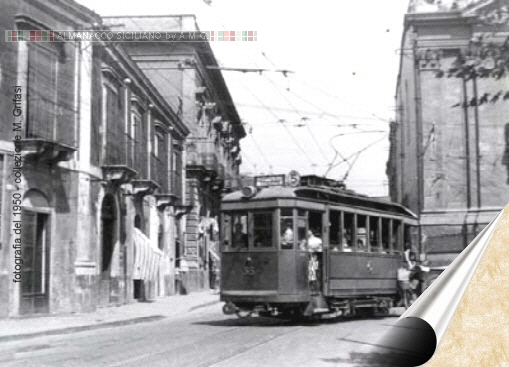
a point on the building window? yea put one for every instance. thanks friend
(113, 126)
(50, 100)
(159, 169)
(159, 145)
(135, 140)
(42, 93)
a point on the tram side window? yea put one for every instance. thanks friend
(262, 229)
(375, 238)
(302, 229)
(287, 237)
(362, 235)
(397, 239)
(335, 231)
(239, 227)
(348, 245)
(315, 223)
(386, 234)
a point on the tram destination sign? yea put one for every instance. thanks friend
(271, 180)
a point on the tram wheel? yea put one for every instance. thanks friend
(242, 314)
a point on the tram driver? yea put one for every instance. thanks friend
(287, 240)
(239, 236)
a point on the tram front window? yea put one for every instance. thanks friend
(239, 237)
(286, 227)
(302, 231)
(262, 229)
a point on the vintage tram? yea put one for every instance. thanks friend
(265, 262)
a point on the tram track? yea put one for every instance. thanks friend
(248, 349)
(221, 337)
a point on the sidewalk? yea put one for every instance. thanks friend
(171, 306)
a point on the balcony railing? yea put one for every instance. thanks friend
(50, 133)
(203, 154)
(210, 161)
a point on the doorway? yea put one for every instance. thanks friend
(108, 288)
(35, 272)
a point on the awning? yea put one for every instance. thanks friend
(147, 258)
(213, 250)
(214, 255)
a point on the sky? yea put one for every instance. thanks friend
(329, 115)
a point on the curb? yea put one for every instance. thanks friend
(211, 303)
(76, 329)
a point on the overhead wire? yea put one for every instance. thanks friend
(267, 108)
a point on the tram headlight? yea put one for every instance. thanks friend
(248, 191)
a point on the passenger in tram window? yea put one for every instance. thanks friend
(385, 246)
(314, 243)
(373, 242)
(303, 245)
(347, 241)
(302, 226)
(287, 235)
(239, 236)
(362, 245)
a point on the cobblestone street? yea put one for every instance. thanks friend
(200, 335)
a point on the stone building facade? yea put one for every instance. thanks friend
(188, 77)
(91, 169)
(448, 159)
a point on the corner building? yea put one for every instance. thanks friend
(448, 158)
(102, 176)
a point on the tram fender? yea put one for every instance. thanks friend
(317, 304)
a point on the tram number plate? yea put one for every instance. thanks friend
(369, 267)
(249, 271)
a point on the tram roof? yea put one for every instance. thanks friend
(320, 194)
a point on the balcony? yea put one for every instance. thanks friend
(43, 150)
(118, 174)
(202, 158)
(221, 172)
(49, 134)
(117, 165)
(211, 163)
(152, 176)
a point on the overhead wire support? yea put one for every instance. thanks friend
(249, 70)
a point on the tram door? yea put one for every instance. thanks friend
(293, 264)
(287, 280)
